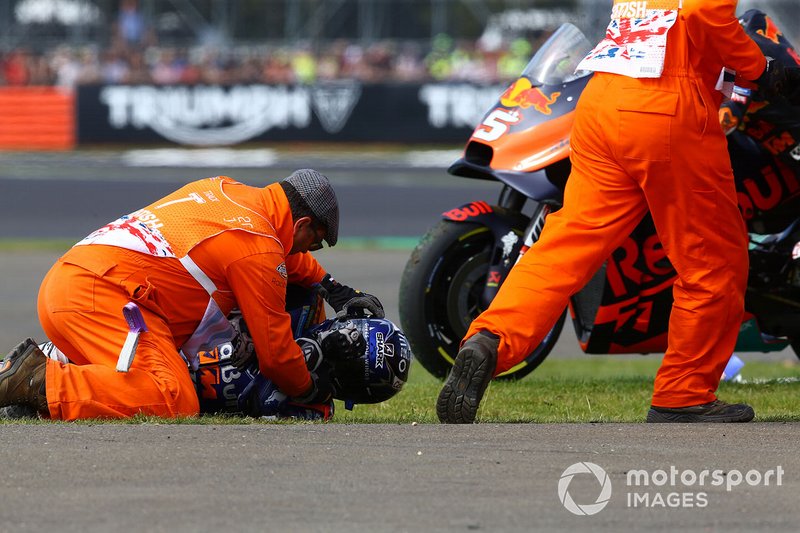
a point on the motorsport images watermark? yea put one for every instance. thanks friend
(669, 488)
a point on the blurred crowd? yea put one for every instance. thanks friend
(144, 63)
(134, 55)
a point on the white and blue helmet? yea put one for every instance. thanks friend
(372, 366)
(367, 360)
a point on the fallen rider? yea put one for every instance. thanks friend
(365, 360)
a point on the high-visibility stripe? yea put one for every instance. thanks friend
(198, 274)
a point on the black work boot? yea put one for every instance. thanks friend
(22, 377)
(716, 411)
(471, 373)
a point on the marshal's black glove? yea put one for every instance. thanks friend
(772, 81)
(347, 301)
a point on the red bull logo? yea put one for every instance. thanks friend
(771, 32)
(523, 94)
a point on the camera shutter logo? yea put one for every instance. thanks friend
(602, 498)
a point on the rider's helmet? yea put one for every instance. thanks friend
(368, 358)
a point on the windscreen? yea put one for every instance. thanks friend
(556, 60)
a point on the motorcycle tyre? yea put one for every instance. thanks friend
(448, 251)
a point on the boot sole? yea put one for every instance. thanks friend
(462, 393)
(745, 415)
(19, 350)
(16, 356)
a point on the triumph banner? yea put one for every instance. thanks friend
(204, 115)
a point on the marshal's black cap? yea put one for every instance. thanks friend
(316, 190)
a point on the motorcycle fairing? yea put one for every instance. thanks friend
(765, 146)
(752, 340)
(526, 147)
(767, 187)
(774, 283)
(625, 307)
(534, 185)
(528, 128)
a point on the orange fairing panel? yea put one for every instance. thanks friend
(533, 148)
(551, 146)
(529, 127)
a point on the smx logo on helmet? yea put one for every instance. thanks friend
(382, 350)
(523, 94)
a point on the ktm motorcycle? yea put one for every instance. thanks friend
(523, 143)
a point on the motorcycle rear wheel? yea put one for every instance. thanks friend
(440, 294)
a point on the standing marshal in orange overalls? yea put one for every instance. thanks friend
(645, 137)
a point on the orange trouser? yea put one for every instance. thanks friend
(633, 150)
(82, 314)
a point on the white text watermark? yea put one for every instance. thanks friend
(670, 487)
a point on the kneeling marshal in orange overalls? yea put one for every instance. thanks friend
(186, 261)
(645, 138)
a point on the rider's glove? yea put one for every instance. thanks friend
(347, 301)
(321, 390)
(773, 80)
(244, 351)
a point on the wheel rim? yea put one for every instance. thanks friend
(453, 296)
(464, 292)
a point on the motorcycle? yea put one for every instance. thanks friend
(523, 142)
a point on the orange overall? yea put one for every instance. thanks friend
(236, 239)
(654, 144)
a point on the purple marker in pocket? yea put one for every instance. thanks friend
(136, 326)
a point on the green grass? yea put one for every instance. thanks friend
(596, 389)
(35, 245)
